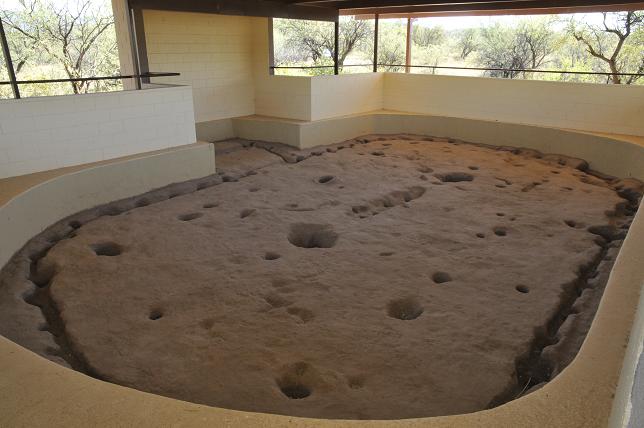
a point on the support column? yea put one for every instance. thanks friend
(8, 62)
(271, 48)
(408, 52)
(141, 46)
(125, 42)
(375, 43)
(336, 65)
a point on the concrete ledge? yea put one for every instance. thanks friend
(37, 207)
(608, 154)
(628, 407)
(215, 130)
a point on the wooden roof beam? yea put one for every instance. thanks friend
(506, 7)
(261, 8)
(536, 11)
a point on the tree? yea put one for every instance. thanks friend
(315, 41)
(22, 49)
(354, 34)
(467, 42)
(428, 36)
(608, 43)
(73, 34)
(5, 90)
(391, 45)
(391, 55)
(525, 46)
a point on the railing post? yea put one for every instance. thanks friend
(135, 49)
(375, 43)
(8, 62)
(408, 50)
(271, 48)
(141, 46)
(127, 57)
(336, 65)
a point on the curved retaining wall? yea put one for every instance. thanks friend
(37, 392)
(32, 211)
(609, 155)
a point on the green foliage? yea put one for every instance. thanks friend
(428, 36)
(5, 90)
(62, 39)
(468, 42)
(313, 42)
(531, 43)
(526, 46)
(617, 43)
(391, 45)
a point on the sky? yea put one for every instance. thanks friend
(448, 23)
(461, 22)
(14, 4)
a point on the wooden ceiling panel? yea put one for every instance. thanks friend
(328, 10)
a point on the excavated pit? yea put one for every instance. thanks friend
(372, 279)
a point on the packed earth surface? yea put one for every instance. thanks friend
(385, 277)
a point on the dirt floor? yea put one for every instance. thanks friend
(386, 277)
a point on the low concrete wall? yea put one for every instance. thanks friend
(584, 106)
(31, 212)
(38, 134)
(606, 154)
(283, 96)
(319, 97)
(215, 130)
(346, 94)
(628, 407)
(616, 109)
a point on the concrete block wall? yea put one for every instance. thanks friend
(319, 97)
(284, 96)
(617, 109)
(346, 94)
(45, 133)
(213, 53)
(591, 107)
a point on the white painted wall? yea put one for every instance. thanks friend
(213, 53)
(319, 97)
(43, 133)
(617, 109)
(284, 96)
(346, 94)
(627, 411)
(590, 107)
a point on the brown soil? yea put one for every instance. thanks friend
(382, 278)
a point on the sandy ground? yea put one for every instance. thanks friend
(384, 278)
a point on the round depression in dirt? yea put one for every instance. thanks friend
(383, 278)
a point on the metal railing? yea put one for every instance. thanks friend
(141, 77)
(443, 67)
(275, 67)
